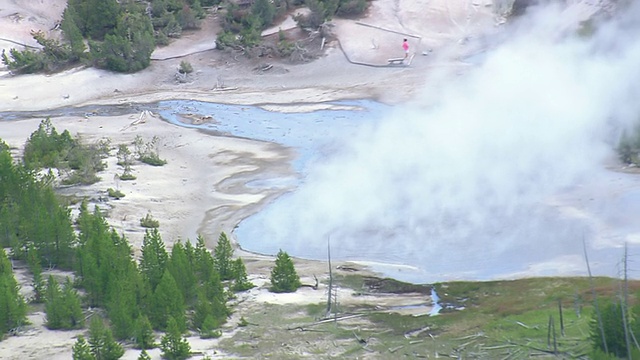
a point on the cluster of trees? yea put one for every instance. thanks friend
(242, 25)
(117, 35)
(120, 35)
(32, 219)
(46, 148)
(174, 291)
(80, 162)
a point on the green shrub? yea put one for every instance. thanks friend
(127, 176)
(226, 39)
(117, 194)
(209, 327)
(243, 322)
(79, 178)
(149, 222)
(148, 152)
(185, 67)
(161, 38)
(173, 345)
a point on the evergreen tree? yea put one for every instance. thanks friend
(53, 305)
(211, 302)
(173, 345)
(181, 268)
(265, 10)
(223, 253)
(209, 327)
(122, 307)
(72, 307)
(240, 279)
(154, 257)
(105, 262)
(284, 277)
(101, 342)
(167, 302)
(204, 263)
(39, 287)
(13, 309)
(203, 309)
(62, 306)
(144, 355)
(81, 350)
(72, 33)
(101, 17)
(129, 47)
(143, 333)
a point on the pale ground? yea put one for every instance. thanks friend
(201, 189)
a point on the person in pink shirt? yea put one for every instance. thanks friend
(405, 46)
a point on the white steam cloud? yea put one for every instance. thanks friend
(462, 183)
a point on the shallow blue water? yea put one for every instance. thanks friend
(312, 134)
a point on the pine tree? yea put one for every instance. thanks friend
(53, 305)
(265, 10)
(143, 333)
(144, 355)
(181, 268)
(101, 342)
(154, 257)
(209, 326)
(204, 263)
(223, 253)
(240, 279)
(167, 302)
(72, 308)
(284, 277)
(33, 259)
(72, 33)
(62, 306)
(173, 345)
(122, 307)
(13, 309)
(211, 302)
(81, 350)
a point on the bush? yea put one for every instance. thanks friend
(117, 194)
(127, 176)
(79, 178)
(148, 152)
(226, 39)
(185, 67)
(161, 38)
(149, 222)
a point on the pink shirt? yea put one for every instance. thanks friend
(405, 46)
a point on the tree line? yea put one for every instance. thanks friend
(117, 35)
(242, 24)
(182, 290)
(120, 35)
